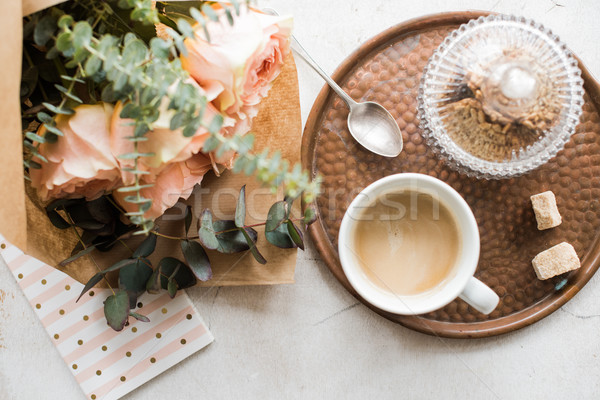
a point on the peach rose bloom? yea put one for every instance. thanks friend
(177, 180)
(240, 61)
(80, 163)
(177, 165)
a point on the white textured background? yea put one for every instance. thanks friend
(312, 339)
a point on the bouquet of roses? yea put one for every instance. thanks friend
(149, 97)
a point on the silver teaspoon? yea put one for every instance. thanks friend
(369, 123)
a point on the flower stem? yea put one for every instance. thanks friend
(216, 233)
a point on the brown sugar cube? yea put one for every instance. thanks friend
(546, 212)
(555, 261)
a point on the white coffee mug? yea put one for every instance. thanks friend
(461, 282)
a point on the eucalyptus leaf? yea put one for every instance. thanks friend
(172, 287)
(44, 117)
(185, 28)
(146, 247)
(184, 276)
(210, 12)
(44, 29)
(153, 284)
(295, 234)
(82, 34)
(280, 237)
(231, 239)
(240, 209)
(90, 284)
(278, 213)
(119, 264)
(253, 249)
(116, 310)
(197, 259)
(210, 144)
(139, 317)
(133, 277)
(57, 220)
(56, 110)
(82, 253)
(101, 210)
(207, 231)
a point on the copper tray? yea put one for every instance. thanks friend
(387, 69)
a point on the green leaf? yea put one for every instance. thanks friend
(240, 209)
(231, 239)
(57, 220)
(209, 12)
(82, 34)
(250, 166)
(153, 284)
(146, 247)
(207, 232)
(44, 29)
(229, 16)
(101, 210)
(280, 237)
(44, 118)
(185, 28)
(65, 21)
(116, 310)
(216, 124)
(295, 234)
(92, 65)
(197, 259)
(118, 265)
(34, 137)
(210, 144)
(34, 165)
(135, 51)
(133, 277)
(64, 43)
(253, 249)
(172, 288)
(160, 47)
(197, 15)
(278, 213)
(68, 94)
(246, 143)
(90, 284)
(52, 130)
(139, 317)
(82, 253)
(189, 214)
(56, 110)
(184, 276)
(310, 215)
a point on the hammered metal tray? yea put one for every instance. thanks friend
(387, 69)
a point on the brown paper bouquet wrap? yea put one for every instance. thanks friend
(24, 222)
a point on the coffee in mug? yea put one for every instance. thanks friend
(407, 242)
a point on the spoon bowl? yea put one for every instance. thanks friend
(375, 129)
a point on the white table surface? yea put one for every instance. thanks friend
(313, 339)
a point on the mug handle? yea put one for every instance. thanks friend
(479, 296)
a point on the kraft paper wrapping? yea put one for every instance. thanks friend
(277, 126)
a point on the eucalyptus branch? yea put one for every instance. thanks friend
(141, 75)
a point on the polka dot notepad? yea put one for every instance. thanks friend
(107, 364)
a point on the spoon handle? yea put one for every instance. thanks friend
(301, 51)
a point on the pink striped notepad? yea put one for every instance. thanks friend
(107, 364)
